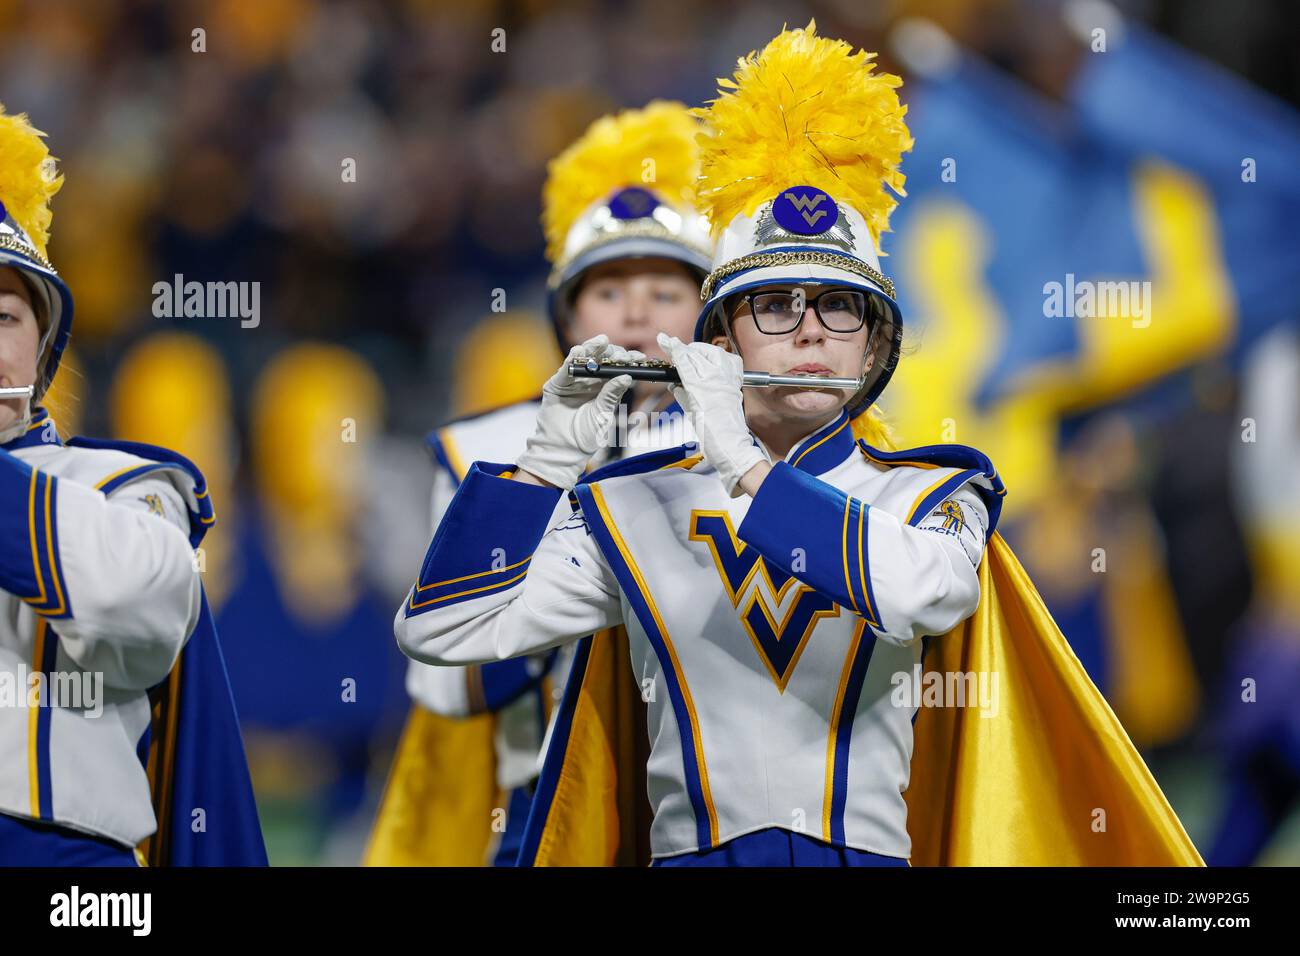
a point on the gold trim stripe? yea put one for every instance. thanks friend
(598, 496)
(823, 441)
(828, 794)
(486, 587)
(33, 718)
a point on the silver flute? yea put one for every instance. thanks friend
(657, 370)
(19, 391)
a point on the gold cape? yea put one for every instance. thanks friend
(1051, 779)
(437, 806)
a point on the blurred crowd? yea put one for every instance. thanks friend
(377, 168)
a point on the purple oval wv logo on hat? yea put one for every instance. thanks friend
(632, 203)
(805, 211)
(8, 227)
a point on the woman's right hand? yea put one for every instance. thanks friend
(575, 417)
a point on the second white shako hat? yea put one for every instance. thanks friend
(624, 190)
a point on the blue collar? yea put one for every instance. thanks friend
(826, 447)
(38, 432)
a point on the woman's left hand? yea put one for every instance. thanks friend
(710, 395)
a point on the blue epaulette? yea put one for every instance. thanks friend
(201, 520)
(636, 465)
(947, 456)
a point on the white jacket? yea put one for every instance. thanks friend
(767, 633)
(101, 590)
(501, 435)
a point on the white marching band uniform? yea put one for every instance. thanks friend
(100, 589)
(99, 581)
(501, 435)
(597, 210)
(459, 692)
(768, 633)
(755, 721)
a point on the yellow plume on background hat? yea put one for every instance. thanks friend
(28, 177)
(611, 154)
(805, 110)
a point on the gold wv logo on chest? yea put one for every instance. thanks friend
(758, 590)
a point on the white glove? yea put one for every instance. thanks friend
(576, 415)
(710, 395)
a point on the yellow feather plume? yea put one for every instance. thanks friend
(28, 178)
(611, 154)
(806, 111)
(873, 426)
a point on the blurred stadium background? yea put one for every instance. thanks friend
(1168, 451)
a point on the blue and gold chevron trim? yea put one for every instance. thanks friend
(30, 565)
(972, 462)
(685, 456)
(466, 587)
(798, 514)
(445, 453)
(486, 539)
(50, 599)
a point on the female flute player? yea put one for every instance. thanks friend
(773, 582)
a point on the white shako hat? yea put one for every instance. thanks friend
(624, 190)
(799, 173)
(28, 181)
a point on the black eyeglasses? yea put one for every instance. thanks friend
(779, 313)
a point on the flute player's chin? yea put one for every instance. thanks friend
(11, 409)
(808, 402)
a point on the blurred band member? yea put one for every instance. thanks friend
(628, 253)
(100, 739)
